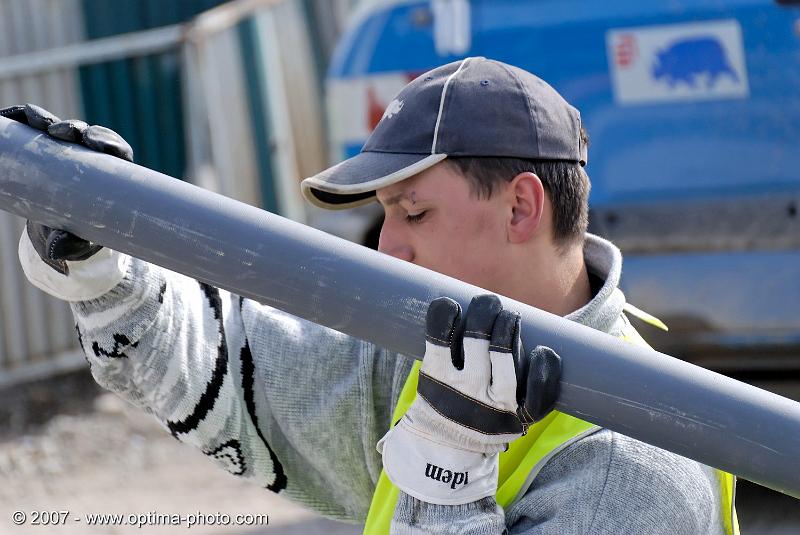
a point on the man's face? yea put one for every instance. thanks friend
(433, 221)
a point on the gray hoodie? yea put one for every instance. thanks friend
(298, 408)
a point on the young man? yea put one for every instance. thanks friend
(478, 166)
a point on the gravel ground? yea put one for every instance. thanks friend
(65, 445)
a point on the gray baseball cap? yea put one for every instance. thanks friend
(472, 107)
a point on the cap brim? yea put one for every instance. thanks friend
(353, 182)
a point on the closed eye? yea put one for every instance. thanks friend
(415, 218)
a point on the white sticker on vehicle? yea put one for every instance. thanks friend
(677, 62)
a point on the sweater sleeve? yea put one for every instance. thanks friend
(292, 406)
(414, 517)
(603, 483)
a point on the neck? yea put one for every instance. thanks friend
(556, 282)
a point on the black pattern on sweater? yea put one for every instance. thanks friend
(120, 342)
(248, 379)
(209, 397)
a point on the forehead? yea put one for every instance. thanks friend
(433, 182)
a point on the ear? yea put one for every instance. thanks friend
(526, 195)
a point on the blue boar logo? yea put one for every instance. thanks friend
(686, 59)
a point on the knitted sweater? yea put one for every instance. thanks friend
(297, 408)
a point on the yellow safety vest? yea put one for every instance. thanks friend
(526, 456)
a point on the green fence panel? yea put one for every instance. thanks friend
(139, 97)
(254, 70)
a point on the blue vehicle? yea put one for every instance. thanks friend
(693, 111)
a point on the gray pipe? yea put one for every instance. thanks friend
(644, 394)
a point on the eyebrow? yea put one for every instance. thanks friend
(395, 199)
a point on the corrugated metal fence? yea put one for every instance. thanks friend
(36, 332)
(230, 100)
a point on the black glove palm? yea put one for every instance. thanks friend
(56, 246)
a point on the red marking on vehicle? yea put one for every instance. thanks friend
(625, 50)
(374, 109)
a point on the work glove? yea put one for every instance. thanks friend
(55, 246)
(477, 392)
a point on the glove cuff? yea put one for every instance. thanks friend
(434, 472)
(88, 279)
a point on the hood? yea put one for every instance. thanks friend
(604, 260)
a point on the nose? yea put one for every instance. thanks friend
(391, 242)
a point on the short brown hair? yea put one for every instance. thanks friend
(566, 183)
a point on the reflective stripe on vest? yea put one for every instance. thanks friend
(523, 460)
